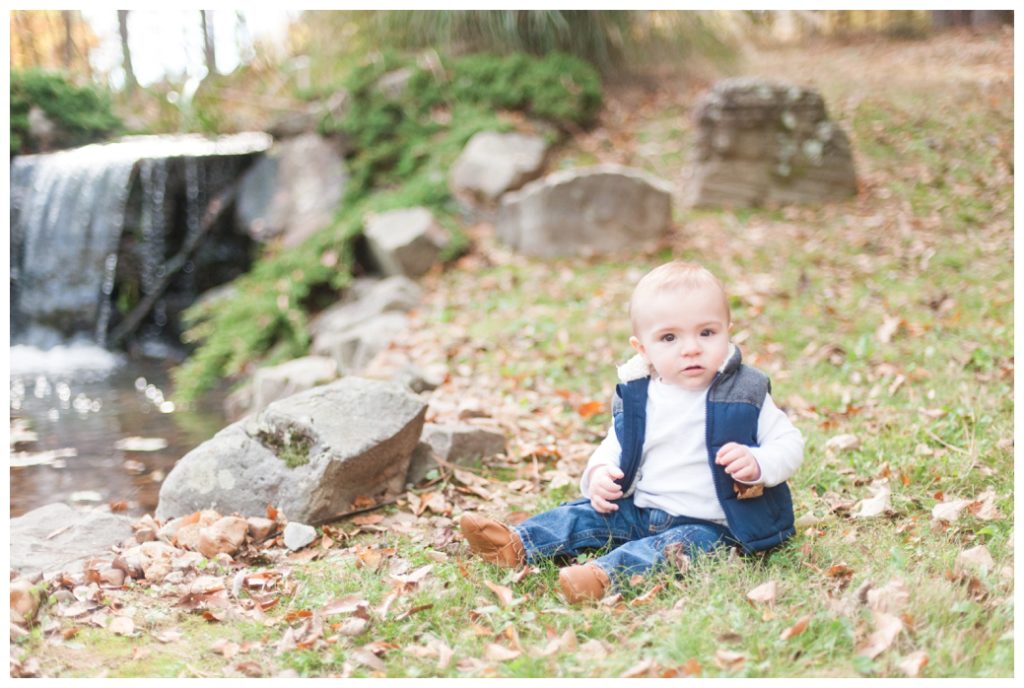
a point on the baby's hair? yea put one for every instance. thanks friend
(674, 275)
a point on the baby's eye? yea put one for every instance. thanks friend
(668, 337)
(707, 332)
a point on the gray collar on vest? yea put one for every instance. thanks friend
(637, 368)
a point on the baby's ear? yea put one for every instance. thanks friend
(637, 346)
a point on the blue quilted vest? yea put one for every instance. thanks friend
(734, 402)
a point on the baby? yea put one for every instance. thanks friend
(697, 455)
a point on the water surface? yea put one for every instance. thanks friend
(80, 402)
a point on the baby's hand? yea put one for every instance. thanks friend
(739, 462)
(604, 490)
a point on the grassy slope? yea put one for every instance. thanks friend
(928, 241)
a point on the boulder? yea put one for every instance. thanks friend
(57, 538)
(396, 364)
(493, 163)
(393, 84)
(458, 444)
(365, 299)
(292, 191)
(353, 349)
(765, 143)
(291, 377)
(314, 456)
(405, 242)
(600, 209)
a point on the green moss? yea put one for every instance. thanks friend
(291, 446)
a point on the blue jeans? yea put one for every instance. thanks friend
(637, 535)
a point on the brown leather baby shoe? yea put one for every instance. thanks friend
(493, 541)
(581, 583)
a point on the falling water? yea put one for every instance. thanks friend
(68, 214)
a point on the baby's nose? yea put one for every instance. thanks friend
(690, 346)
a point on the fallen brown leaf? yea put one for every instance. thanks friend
(949, 511)
(878, 503)
(796, 629)
(977, 558)
(887, 629)
(350, 604)
(227, 648)
(984, 506)
(647, 596)
(727, 660)
(589, 409)
(912, 664)
(838, 571)
(841, 443)
(691, 667)
(764, 593)
(250, 669)
(891, 598)
(505, 595)
(352, 626)
(413, 579)
(641, 668)
(499, 653)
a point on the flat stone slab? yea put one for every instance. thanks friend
(587, 211)
(56, 538)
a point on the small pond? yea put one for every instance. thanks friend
(92, 428)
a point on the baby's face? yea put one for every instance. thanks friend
(684, 335)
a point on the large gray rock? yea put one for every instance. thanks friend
(293, 191)
(367, 298)
(405, 242)
(57, 538)
(311, 455)
(765, 143)
(353, 349)
(601, 209)
(457, 444)
(493, 163)
(292, 377)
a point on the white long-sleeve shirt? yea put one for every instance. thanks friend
(674, 474)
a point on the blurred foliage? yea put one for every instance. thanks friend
(80, 115)
(405, 139)
(612, 41)
(442, 104)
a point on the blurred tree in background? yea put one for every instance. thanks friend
(52, 39)
(612, 41)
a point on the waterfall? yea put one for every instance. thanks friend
(71, 211)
